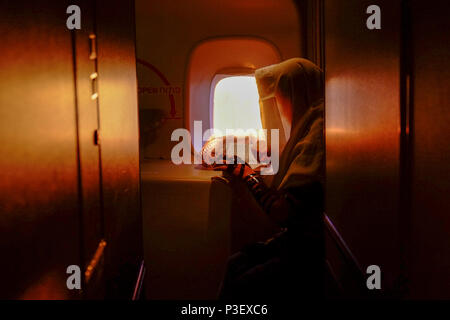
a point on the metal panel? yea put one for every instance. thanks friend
(362, 131)
(85, 63)
(430, 225)
(119, 142)
(39, 220)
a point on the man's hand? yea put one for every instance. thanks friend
(237, 170)
(241, 170)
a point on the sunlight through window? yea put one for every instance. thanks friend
(236, 104)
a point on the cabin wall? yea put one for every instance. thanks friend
(62, 191)
(39, 204)
(429, 249)
(386, 143)
(119, 142)
(362, 74)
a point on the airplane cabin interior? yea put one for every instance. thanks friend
(103, 126)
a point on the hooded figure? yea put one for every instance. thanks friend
(291, 97)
